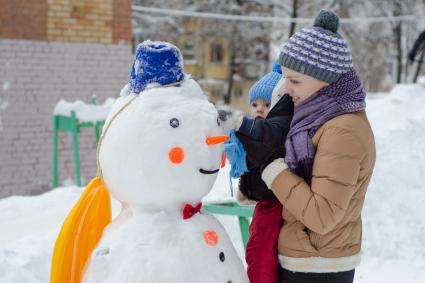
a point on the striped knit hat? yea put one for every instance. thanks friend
(318, 51)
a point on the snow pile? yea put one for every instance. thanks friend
(401, 107)
(84, 112)
(393, 223)
(30, 228)
(394, 229)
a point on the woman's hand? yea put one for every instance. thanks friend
(253, 187)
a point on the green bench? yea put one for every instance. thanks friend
(73, 125)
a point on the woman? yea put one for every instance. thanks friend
(330, 156)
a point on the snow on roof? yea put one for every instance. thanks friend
(83, 111)
(211, 81)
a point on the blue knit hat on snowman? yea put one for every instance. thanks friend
(263, 88)
(156, 62)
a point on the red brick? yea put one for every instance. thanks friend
(121, 21)
(23, 19)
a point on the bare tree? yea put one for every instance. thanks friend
(293, 16)
(379, 48)
(249, 42)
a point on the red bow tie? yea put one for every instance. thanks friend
(189, 210)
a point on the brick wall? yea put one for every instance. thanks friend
(121, 24)
(53, 49)
(79, 20)
(34, 75)
(100, 21)
(23, 19)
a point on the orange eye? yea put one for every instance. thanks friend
(176, 155)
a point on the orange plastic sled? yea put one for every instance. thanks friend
(80, 233)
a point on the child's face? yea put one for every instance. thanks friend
(259, 108)
(300, 86)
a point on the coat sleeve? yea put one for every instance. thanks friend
(335, 175)
(254, 128)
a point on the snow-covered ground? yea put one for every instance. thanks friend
(393, 217)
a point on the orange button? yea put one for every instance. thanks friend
(210, 237)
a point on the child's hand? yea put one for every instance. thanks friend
(231, 118)
(261, 153)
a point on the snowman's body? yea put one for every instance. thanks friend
(163, 248)
(150, 241)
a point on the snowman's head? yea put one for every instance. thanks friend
(158, 152)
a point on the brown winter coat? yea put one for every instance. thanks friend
(322, 229)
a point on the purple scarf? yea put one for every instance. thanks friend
(344, 96)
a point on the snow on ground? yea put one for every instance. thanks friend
(394, 226)
(393, 216)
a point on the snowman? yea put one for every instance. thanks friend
(159, 156)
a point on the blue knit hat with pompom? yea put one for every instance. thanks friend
(263, 88)
(156, 62)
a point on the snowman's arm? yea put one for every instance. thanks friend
(230, 118)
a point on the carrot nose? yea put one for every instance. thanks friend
(216, 139)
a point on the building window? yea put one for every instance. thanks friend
(216, 55)
(188, 51)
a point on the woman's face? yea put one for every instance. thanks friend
(300, 86)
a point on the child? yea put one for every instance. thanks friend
(261, 252)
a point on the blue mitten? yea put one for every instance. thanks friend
(236, 155)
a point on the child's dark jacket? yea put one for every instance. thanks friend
(279, 120)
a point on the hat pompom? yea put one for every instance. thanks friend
(156, 62)
(327, 20)
(276, 67)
